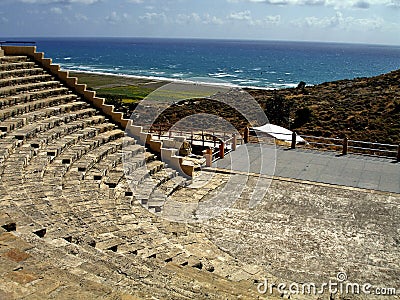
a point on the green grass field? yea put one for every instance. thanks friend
(130, 90)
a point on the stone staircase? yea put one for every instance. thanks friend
(74, 198)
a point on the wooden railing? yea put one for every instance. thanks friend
(222, 143)
(345, 146)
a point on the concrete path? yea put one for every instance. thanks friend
(359, 171)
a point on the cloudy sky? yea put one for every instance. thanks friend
(361, 21)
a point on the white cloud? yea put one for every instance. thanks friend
(242, 16)
(80, 18)
(195, 18)
(394, 3)
(273, 19)
(366, 24)
(363, 4)
(213, 20)
(56, 10)
(115, 17)
(3, 19)
(325, 22)
(341, 22)
(65, 2)
(189, 18)
(154, 18)
(248, 18)
(232, 18)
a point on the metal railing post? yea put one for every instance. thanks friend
(208, 155)
(222, 150)
(246, 135)
(398, 153)
(293, 145)
(234, 143)
(345, 145)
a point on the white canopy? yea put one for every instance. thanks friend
(278, 133)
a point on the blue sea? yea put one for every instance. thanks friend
(263, 64)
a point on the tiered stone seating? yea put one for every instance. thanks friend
(71, 189)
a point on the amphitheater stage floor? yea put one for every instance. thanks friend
(360, 171)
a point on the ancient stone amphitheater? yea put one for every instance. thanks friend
(71, 227)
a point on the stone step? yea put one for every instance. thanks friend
(70, 155)
(48, 92)
(34, 95)
(41, 114)
(74, 181)
(4, 91)
(86, 162)
(14, 100)
(66, 142)
(164, 187)
(44, 139)
(20, 109)
(9, 143)
(8, 91)
(52, 172)
(29, 131)
(154, 166)
(20, 72)
(149, 157)
(149, 184)
(128, 160)
(24, 80)
(155, 202)
(173, 184)
(13, 59)
(16, 66)
(114, 177)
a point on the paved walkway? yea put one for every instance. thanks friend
(359, 171)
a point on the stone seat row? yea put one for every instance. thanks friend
(20, 72)
(130, 272)
(10, 66)
(12, 59)
(26, 119)
(124, 242)
(19, 109)
(9, 143)
(13, 90)
(12, 81)
(107, 243)
(103, 243)
(54, 176)
(44, 279)
(69, 180)
(31, 130)
(32, 95)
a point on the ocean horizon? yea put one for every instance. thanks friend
(241, 63)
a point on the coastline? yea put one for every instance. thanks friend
(202, 80)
